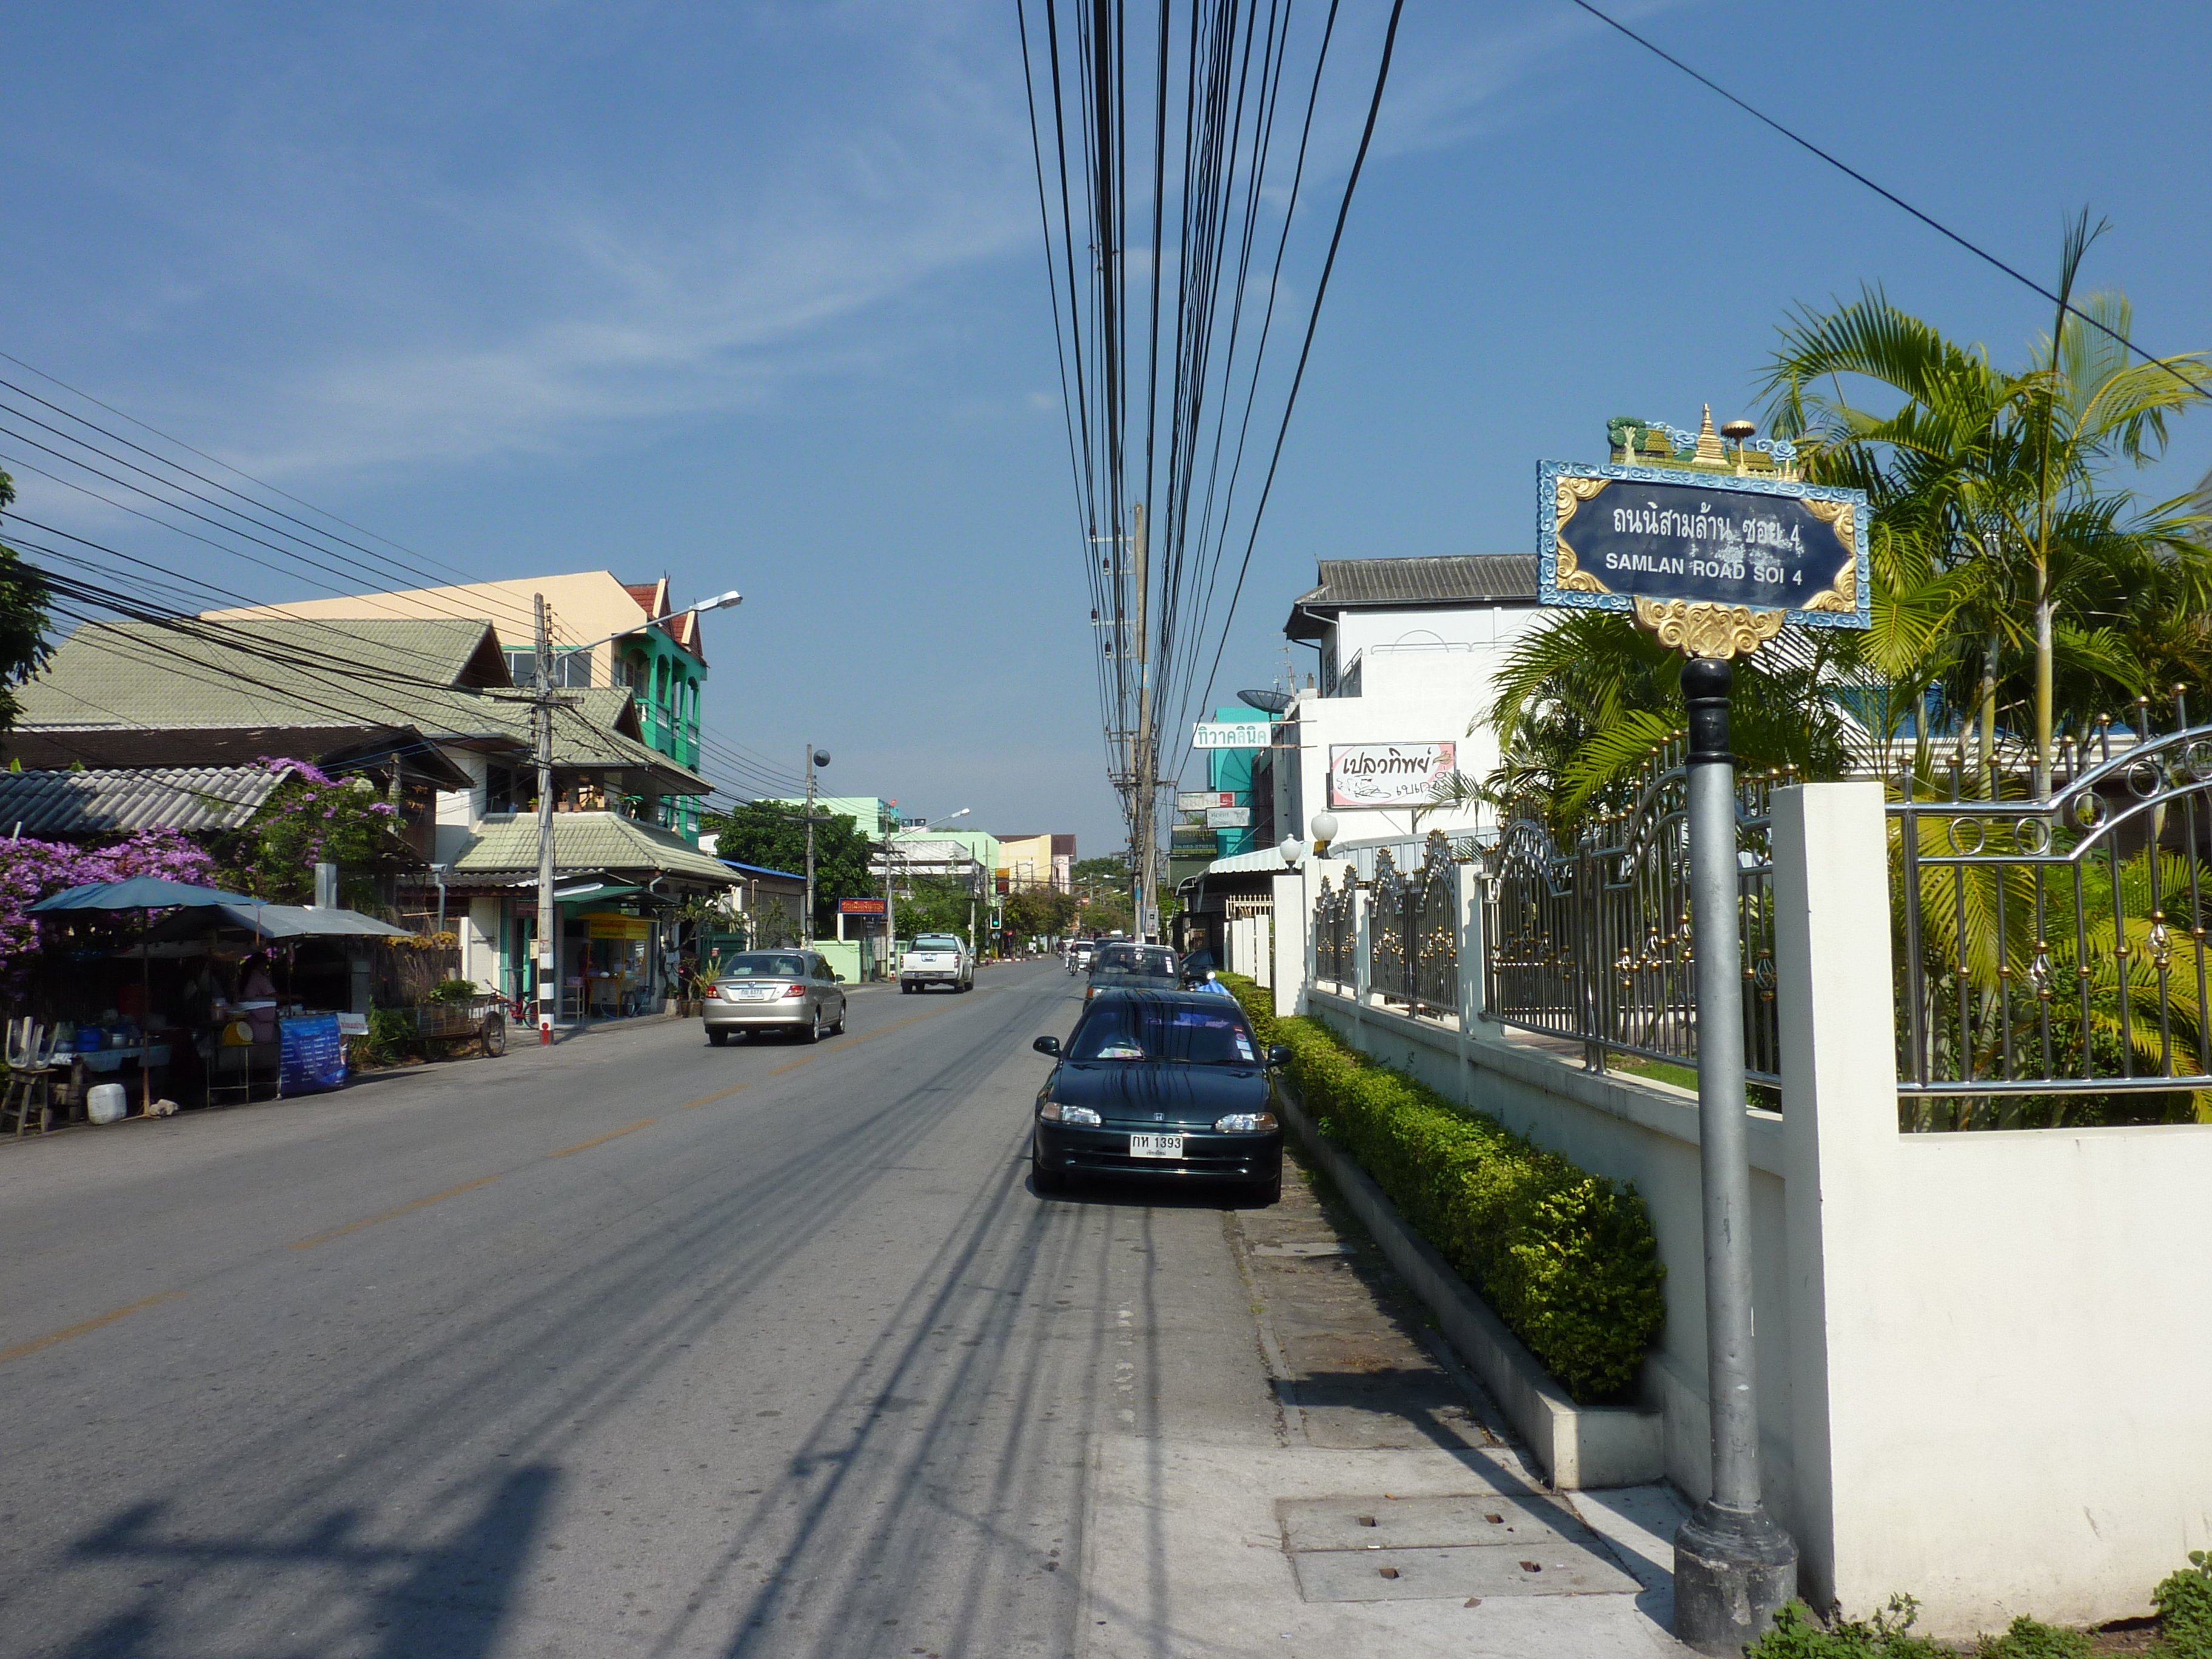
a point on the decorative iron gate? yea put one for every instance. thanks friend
(1412, 934)
(2051, 950)
(1334, 940)
(1593, 943)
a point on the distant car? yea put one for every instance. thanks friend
(792, 991)
(937, 959)
(1122, 967)
(1160, 1083)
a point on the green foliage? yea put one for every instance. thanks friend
(773, 834)
(1798, 1635)
(1039, 911)
(2184, 1600)
(392, 1036)
(451, 990)
(23, 598)
(309, 819)
(936, 904)
(1567, 1259)
(2030, 1638)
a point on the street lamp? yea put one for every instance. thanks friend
(1324, 831)
(549, 977)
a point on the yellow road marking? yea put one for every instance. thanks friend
(84, 1325)
(601, 1140)
(708, 1100)
(394, 1215)
(793, 1067)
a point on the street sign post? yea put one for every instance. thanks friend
(1713, 563)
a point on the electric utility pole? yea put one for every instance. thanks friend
(549, 949)
(1148, 759)
(814, 757)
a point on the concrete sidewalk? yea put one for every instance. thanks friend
(1389, 1514)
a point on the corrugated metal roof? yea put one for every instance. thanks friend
(585, 841)
(68, 805)
(1455, 579)
(348, 675)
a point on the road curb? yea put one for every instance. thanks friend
(1579, 1448)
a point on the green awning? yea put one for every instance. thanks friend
(593, 893)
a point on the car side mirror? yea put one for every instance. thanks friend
(1279, 1054)
(1048, 1046)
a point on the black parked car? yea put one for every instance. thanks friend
(1120, 967)
(1160, 1083)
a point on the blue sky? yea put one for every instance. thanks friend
(752, 294)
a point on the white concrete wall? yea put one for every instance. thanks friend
(459, 810)
(479, 931)
(1983, 1360)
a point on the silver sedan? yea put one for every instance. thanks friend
(792, 991)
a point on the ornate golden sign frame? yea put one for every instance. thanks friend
(1700, 628)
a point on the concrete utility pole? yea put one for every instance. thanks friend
(814, 757)
(548, 945)
(1148, 758)
(1734, 1567)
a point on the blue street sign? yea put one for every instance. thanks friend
(1609, 536)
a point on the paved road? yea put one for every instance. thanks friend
(642, 1347)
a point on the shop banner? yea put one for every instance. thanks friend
(310, 1054)
(606, 924)
(1387, 773)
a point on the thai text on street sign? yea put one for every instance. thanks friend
(1388, 774)
(859, 906)
(1197, 800)
(1704, 562)
(1232, 734)
(1229, 817)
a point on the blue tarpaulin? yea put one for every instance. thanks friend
(310, 1055)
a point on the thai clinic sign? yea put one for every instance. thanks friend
(1661, 543)
(1201, 800)
(1232, 734)
(605, 924)
(1229, 817)
(859, 906)
(1387, 773)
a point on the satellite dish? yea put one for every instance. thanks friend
(1273, 702)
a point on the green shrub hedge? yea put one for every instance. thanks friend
(1566, 1259)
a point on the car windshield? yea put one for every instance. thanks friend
(1152, 961)
(1142, 1028)
(937, 942)
(765, 964)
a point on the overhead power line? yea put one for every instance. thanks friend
(1894, 199)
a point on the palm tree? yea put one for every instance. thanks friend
(1999, 481)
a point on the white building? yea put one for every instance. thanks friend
(1409, 653)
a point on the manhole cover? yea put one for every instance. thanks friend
(1389, 1549)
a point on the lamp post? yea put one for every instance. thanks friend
(542, 703)
(814, 757)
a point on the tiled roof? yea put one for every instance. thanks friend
(506, 843)
(1448, 579)
(69, 805)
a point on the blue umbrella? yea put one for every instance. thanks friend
(144, 894)
(140, 893)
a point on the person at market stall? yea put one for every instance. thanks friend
(254, 985)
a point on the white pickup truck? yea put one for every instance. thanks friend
(937, 959)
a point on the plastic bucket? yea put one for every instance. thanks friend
(108, 1102)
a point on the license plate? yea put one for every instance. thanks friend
(754, 994)
(1155, 1145)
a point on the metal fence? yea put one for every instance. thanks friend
(1592, 942)
(1335, 938)
(1412, 935)
(2050, 945)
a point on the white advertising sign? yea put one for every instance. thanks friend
(1229, 817)
(1232, 734)
(1386, 773)
(1197, 800)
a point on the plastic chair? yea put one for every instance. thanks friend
(30, 1055)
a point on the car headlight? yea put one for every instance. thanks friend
(1244, 1123)
(1083, 1116)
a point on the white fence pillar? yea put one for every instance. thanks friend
(1835, 1001)
(1292, 956)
